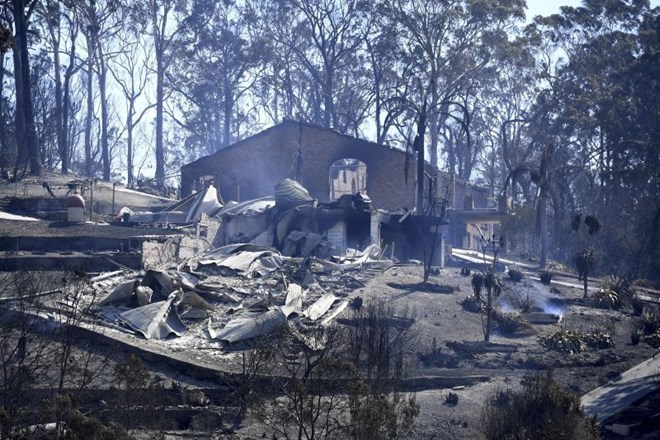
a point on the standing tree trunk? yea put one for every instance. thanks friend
(4, 156)
(91, 50)
(227, 111)
(543, 225)
(419, 148)
(329, 116)
(26, 138)
(159, 35)
(61, 146)
(489, 312)
(129, 143)
(63, 137)
(160, 96)
(102, 79)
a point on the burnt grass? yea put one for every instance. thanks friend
(581, 371)
(445, 334)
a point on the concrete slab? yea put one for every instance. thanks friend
(633, 385)
(8, 216)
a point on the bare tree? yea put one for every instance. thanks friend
(131, 73)
(101, 20)
(450, 43)
(23, 357)
(62, 26)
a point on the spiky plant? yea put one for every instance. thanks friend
(621, 286)
(607, 299)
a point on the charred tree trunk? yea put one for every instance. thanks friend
(58, 99)
(4, 147)
(105, 148)
(63, 139)
(543, 225)
(129, 143)
(26, 138)
(419, 148)
(91, 50)
(160, 97)
(329, 116)
(227, 111)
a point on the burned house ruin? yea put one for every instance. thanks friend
(330, 166)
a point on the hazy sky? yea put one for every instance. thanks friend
(548, 7)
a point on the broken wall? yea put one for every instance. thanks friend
(251, 168)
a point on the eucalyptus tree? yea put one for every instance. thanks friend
(388, 71)
(45, 117)
(101, 21)
(130, 70)
(284, 89)
(219, 66)
(20, 13)
(599, 117)
(61, 25)
(503, 103)
(323, 38)
(449, 43)
(160, 23)
(7, 147)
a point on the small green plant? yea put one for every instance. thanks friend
(621, 286)
(451, 399)
(650, 320)
(525, 304)
(566, 341)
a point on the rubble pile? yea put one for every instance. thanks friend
(233, 294)
(285, 260)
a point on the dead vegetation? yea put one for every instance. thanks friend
(511, 324)
(541, 409)
(515, 274)
(545, 277)
(647, 327)
(348, 386)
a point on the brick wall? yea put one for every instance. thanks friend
(250, 168)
